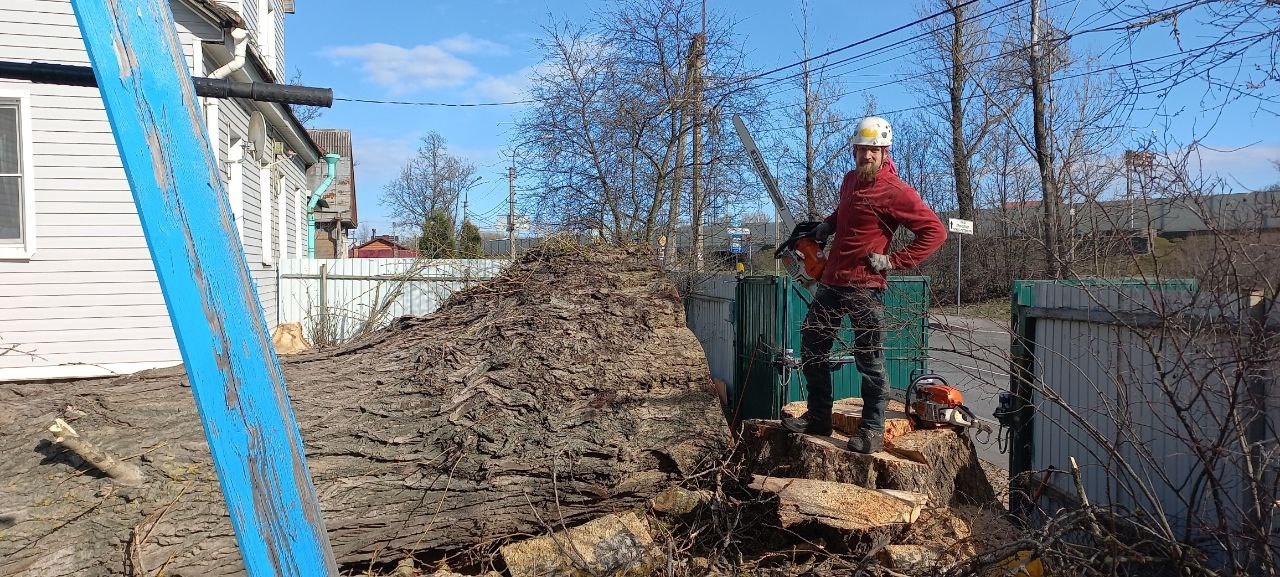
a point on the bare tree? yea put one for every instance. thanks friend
(431, 180)
(305, 114)
(613, 96)
(959, 62)
(1235, 50)
(826, 134)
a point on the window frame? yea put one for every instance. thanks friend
(25, 248)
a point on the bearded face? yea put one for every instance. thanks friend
(870, 159)
(867, 170)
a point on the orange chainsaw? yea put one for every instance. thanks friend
(801, 253)
(932, 403)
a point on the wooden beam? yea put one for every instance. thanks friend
(234, 374)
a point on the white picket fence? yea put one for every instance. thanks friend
(336, 300)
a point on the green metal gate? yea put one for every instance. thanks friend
(768, 313)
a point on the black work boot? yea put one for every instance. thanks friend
(808, 425)
(867, 441)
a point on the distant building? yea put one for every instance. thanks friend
(335, 223)
(385, 246)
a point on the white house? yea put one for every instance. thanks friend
(78, 293)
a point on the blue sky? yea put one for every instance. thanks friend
(482, 51)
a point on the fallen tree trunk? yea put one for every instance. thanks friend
(564, 389)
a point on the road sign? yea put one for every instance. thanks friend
(738, 238)
(960, 226)
(520, 222)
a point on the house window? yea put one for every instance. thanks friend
(17, 201)
(267, 32)
(266, 192)
(235, 184)
(282, 231)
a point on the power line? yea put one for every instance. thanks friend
(1111, 26)
(748, 79)
(1122, 24)
(448, 104)
(899, 44)
(1201, 50)
(903, 44)
(859, 42)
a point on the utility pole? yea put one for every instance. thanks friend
(1044, 155)
(511, 205)
(697, 53)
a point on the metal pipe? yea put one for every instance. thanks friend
(67, 75)
(331, 161)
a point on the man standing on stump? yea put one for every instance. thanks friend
(874, 202)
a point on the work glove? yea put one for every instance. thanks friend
(822, 231)
(879, 263)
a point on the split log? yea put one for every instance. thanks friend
(566, 388)
(774, 451)
(839, 506)
(610, 545)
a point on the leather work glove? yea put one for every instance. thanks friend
(879, 263)
(822, 231)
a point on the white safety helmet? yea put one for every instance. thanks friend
(873, 131)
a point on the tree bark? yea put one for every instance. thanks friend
(564, 389)
(961, 157)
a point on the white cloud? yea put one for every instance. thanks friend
(407, 69)
(468, 44)
(1249, 167)
(506, 88)
(379, 160)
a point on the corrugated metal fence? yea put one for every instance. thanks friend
(336, 300)
(709, 312)
(1152, 389)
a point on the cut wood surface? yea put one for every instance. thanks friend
(836, 505)
(955, 478)
(846, 417)
(567, 388)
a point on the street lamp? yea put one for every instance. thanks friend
(511, 191)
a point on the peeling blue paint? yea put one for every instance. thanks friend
(234, 373)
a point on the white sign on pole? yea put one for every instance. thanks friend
(960, 226)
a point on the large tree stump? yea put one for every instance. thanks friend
(567, 388)
(956, 477)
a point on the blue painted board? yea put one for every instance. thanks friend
(234, 373)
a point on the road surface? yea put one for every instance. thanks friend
(973, 355)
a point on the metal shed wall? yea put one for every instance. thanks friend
(1133, 380)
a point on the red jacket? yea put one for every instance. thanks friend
(864, 223)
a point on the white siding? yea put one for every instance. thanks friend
(88, 303)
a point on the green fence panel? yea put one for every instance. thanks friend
(768, 314)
